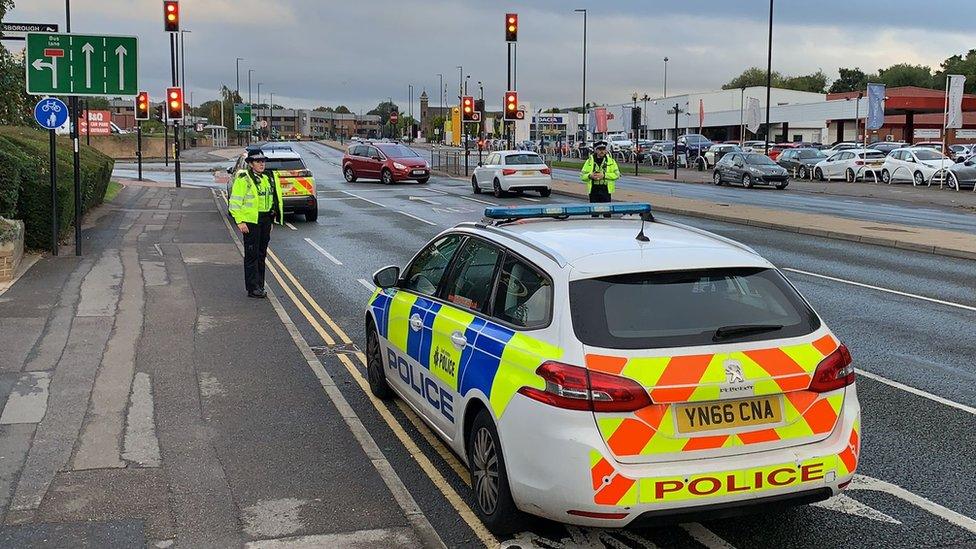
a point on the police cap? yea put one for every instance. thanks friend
(255, 156)
(600, 145)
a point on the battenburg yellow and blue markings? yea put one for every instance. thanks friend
(497, 361)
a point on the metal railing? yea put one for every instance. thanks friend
(449, 161)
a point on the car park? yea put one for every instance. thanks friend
(887, 146)
(298, 189)
(915, 164)
(694, 143)
(388, 162)
(716, 152)
(503, 172)
(934, 145)
(778, 149)
(800, 161)
(754, 146)
(849, 164)
(608, 372)
(750, 169)
(842, 146)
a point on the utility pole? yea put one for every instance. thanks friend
(79, 205)
(674, 150)
(586, 121)
(665, 77)
(251, 129)
(769, 75)
(440, 89)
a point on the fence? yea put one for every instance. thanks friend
(449, 161)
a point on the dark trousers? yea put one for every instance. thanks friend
(255, 251)
(599, 194)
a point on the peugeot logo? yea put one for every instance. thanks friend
(733, 372)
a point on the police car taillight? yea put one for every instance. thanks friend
(576, 388)
(834, 372)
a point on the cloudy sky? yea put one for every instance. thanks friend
(357, 53)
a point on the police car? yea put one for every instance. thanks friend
(614, 372)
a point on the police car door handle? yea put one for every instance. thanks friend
(458, 339)
(416, 323)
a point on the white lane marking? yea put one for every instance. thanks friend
(367, 284)
(422, 199)
(422, 220)
(290, 226)
(919, 392)
(530, 199)
(322, 251)
(842, 503)
(388, 208)
(438, 191)
(706, 537)
(862, 482)
(485, 202)
(880, 289)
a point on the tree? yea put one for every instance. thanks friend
(342, 109)
(816, 82)
(753, 76)
(958, 64)
(384, 109)
(15, 104)
(903, 74)
(850, 80)
(323, 109)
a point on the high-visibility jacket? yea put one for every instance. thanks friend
(610, 174)
(253, 194)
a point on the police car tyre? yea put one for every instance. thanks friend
(311, 214)
(918, 179)
(474, 185)
(747, 181)
(545, 193)
(387, 177)
(717, 178)
(489, 480)
(349, 174)
(497, 186)
(375, 372)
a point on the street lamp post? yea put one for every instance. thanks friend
(583, 114)
(271, 118)
(183, 80)
(636, 145)
(441, 93)
(250, 104)
(237, 65)
(481, 90)
(769, 74)
(665, 77)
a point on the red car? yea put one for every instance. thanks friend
(388, 162)
(776, 149)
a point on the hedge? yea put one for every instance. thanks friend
(26, 165)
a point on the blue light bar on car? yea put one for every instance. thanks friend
(536, 212)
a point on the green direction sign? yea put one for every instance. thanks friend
(78, 64)
(242, 116)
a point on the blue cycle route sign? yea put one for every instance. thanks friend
(51, 113)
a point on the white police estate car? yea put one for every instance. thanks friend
(616, 371)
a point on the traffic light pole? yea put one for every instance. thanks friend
(139, 146)
(176, 123)
(508, 133)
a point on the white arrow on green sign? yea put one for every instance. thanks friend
(242, 117)
(78, 64)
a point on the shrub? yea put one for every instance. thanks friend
(34, 196)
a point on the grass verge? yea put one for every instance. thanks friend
(112, 190)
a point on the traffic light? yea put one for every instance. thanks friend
(171, 16)
(511, 105)
(142, 106)
(635, 118)
(174, 103)
(511, 27)
(467, 108)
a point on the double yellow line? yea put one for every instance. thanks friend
(290, 285)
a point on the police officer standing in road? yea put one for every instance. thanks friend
(255, 203)
(600, 171)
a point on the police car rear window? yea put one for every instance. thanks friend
(284, 164)
(687, 308)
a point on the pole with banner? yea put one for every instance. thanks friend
(875, 118)
(955, 84)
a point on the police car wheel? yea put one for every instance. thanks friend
(349, 174)
(474, 185)
(311, 215)
(374, 365)
(489, 481)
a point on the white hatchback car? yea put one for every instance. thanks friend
(507, 171)
(850, 165)
(617, 371)
(915, 164)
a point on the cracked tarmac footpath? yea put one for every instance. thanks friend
(146, 401)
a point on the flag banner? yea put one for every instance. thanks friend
(876, 95)
(599, 120)
(954, 114)
(752, 115)
(701, 112)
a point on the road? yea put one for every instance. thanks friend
(868, 209)
(905, 316)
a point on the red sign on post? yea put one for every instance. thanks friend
(100, 123)
(54, 52)
(394, 117)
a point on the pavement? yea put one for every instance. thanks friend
(898, 310)
(146, 401)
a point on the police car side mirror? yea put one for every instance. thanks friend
(387, 277)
